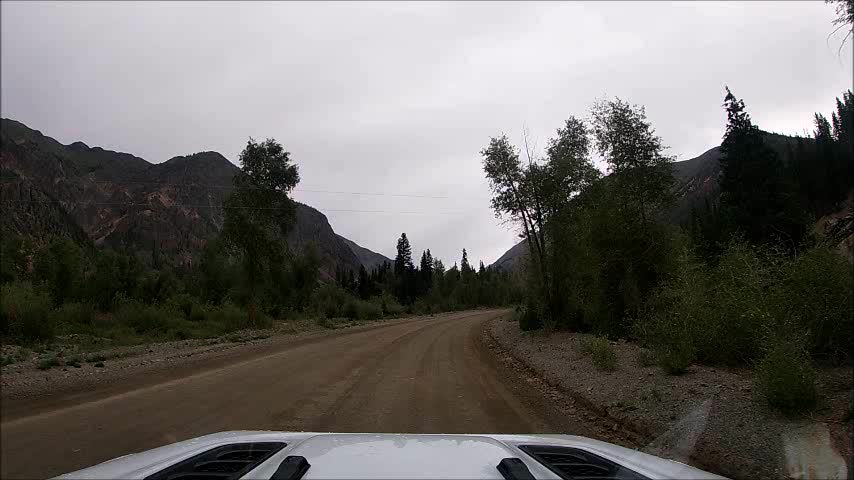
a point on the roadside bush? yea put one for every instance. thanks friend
(329, 300)
(230, 318)
(25, 313)
(785, 376)
(816, 293)
(530, 319)
(49, 362)
(601, 352)
(715, 315)
(144, 319)
(74, 317)
(183, 303)
(369, 311)
(389, 305)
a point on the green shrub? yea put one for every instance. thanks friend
(25, 313)
(95, 358)
(676, 355)
(816, 293)
(646, 358)
(182, 302)
(230, 318)
(601, 352)
(351, 309)
(46, 363)
(326, 323)
(144, 319)
(19, 356)
(786, 378)
(369, 311)
(99, 365)
(74, 317)
(356, 309)
(530, 319)
(389, 305)
(73, 361)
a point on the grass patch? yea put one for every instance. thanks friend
(602, 353)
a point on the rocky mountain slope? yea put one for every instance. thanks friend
(368, 258)
(113, 199)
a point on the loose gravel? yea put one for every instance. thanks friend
(708, 417)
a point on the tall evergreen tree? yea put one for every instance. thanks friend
(755, 197)
(403, 260)
(465, 267)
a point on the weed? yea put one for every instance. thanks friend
(46, 363)
(601, 351)
(786, 378)
(95, 357)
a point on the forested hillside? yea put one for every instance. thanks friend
(108, 247)
(743, 279)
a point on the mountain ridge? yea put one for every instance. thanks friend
(118, 200)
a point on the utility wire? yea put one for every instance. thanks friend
(298, 189)
(224, 207)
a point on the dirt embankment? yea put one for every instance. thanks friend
(709, 417)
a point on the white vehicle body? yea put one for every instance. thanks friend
(389, 456)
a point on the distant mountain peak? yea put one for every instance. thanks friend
(121, 201)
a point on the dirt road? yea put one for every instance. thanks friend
(426, 375)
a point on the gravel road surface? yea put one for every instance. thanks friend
(428, 375)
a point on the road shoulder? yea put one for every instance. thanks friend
(709, 418)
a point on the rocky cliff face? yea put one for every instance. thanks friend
(113, 199)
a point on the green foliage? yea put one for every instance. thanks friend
(59, 267)
(116, 276)
(531, 318)
(230, 318)
(259, 213)
(95, 358)
(785, 376)
(602, 353)
(815, 292)
(74, 317)
(25, 313)
(756, 197)
(14, 253)
(46, 363)
(389, 305)
(145, 319)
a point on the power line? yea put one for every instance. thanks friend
(223, 207)
(298, 189)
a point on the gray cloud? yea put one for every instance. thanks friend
(399, 98)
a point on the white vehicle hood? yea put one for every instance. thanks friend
(389, 456)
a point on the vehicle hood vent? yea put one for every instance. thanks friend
(225, 462)
(575, 464)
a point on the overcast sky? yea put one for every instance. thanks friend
(398, 99)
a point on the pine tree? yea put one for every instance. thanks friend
(403, 260)
(755, 197)
(465, 267)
